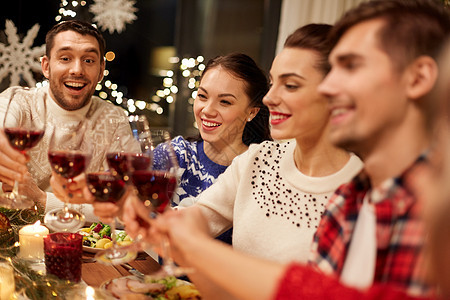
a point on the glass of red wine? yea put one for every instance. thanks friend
(69, 154)
(109, 187)
(24, 126)
(155, 187)
(136, 153)
(123, 155)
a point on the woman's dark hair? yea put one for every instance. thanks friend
(78, 26)
(313, 37)
(244, 67)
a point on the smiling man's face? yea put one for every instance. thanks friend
(74, 68)
(367, 96)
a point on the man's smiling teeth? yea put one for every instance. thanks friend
(210, 124)
(338, 111)
(75, 84)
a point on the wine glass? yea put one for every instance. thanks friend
(24, 126)
(119, 161)
(69, 154)
(137, 155)
(109, 187)
(123, 153)
(155, 187)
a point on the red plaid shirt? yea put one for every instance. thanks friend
(399, 232)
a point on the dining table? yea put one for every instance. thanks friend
(94, 273)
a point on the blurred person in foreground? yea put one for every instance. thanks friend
(73, 64)
(383, 70)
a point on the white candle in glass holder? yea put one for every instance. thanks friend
(31, 239)
(7, 285)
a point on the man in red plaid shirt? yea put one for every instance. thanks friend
(383, 69)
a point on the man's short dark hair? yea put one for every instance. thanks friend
(80, 27)
(412, 27)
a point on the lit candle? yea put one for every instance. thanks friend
(31, 239)
(7, 285)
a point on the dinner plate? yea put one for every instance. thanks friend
(96, 250)
(116, 294)
(92, 250)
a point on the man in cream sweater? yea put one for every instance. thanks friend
(73, 65)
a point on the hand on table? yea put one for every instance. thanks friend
(74, 191)
(13, 164)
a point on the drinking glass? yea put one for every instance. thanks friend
(69, 154)
(155, 187)
(125, 153)
(24, 126)
(109, 187)
(138, 155)
(63, 251)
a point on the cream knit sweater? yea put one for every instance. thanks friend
(97, 110)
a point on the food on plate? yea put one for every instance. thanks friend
(123, 287)
(168, 288)
(101, 242)
(135, 297)
(98, 236)
(188, 292)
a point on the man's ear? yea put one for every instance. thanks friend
(102, 70)
(422, 76)
(45, 66)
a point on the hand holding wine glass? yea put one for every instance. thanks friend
(122, 155)
(109, 187)
(69, 154)
(24, 126)
(155, 187)
(124, 150)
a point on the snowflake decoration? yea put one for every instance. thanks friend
(113, 14)
(19, 59)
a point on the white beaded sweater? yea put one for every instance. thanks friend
(274, 208)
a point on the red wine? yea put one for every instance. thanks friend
(123, 162)
(105, 187)
(22, 139)
(68, 164)
(154, 187)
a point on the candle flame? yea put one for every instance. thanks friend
(90, 293)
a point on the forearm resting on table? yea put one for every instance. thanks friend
(243, 276)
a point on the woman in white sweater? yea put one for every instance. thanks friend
(273, 195)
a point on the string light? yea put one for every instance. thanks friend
(189, 67)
